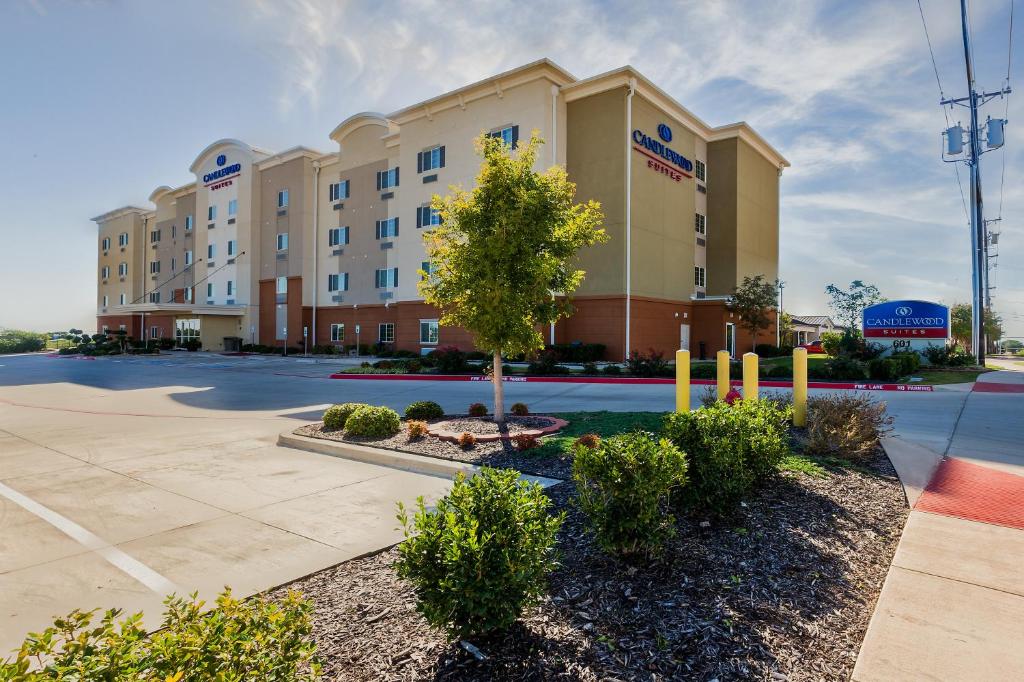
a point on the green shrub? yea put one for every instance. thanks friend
(448, 359)
(884, 369)
(373, 422)
(519, 409)
(949, 356)
(335, 416)
(730, 449)
(255, 639)
(577, 353)
(624, 484)
(780, 372)
(611, 370)
(477, 410)
(909, 362)
(830, 343)
(842, 368)
(845, 425)
(650, 364)
(590, 368)
(546, 364)
(482, 555)
(703, 370)
(16, 341)
(424, 409)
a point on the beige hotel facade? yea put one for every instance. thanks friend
(278, 248)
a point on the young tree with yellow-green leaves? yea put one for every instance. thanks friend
(504, 249)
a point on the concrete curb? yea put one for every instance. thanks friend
(404, 461)
(914, 464)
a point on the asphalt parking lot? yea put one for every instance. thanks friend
(123, 479)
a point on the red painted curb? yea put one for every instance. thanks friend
(850, 386)
(992, 387)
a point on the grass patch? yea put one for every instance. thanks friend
(937, 377)
(602, 423)
(802, 464)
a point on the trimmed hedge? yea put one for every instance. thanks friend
(335, 416)
(373, 422)
(424, 410)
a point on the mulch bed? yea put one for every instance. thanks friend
(485, 426)
(495, 454)
(781, 591)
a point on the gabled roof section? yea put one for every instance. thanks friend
(289, 155)
(542, 68)
(357, 121)
(159, 192)
(813, 320)
(120, 212)
(227, 142)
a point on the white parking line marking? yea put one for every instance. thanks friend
(133, 567)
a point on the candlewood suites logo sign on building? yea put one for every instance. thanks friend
(216, 179)
(906, 319)
(660, 156)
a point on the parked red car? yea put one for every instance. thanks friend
(813, 347)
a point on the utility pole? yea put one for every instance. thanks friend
(979, 231)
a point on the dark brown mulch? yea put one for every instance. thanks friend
(782, 591)
(502, 454)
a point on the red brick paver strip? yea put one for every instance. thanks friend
(993, 387)
(976, 493)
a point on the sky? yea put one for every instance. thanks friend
(101, 102)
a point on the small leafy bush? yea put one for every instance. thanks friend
(525, 441)
(424, 409)
(842, 368)
(703, 370)
(650, 364)
(731, 448)
(587, 440)
(412, 366)
(466, 440)
(611, 370)
(909, 362)
(577, 353)
(255, 639)
(477, 355)
(416, 428)
(845, 425)
(624, 485)
(590, 368)
(949, 356)
(780, 372)
(884, 369)
(482, 555)
(335, 416)
(373, 422)
(448, 360)
(830, 343)
(477, 410)
(546, 364)
(708, 396)
(519, 409)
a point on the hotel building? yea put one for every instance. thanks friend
(275, 248)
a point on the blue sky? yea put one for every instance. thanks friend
(104, 101)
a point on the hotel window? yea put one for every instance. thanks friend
(188, 294)
(233, 207)
(122, 239)
(387, 278)
(509, 135)
(154, 267)
(282, 285)
(231, 287)
(105, 329)
(387, 228)
(427, 216)
(174, 264)
(699, 279)
(424, 270)
(154, 332)
(122, 269)
(428, 331)
(122, 327)
(174, 231)
(188, 222)
(106, 243)
(282, 199)
(700, 170)
(105, 299)
(337, 332)
(339, 190)
(701, 223)
(105, 271)
(210, 250)
(209, 290)
(211, 213)
(121, 299)
(154, 236)
(188, 258)
(282, 241)
(338, 282)
(154, 297)
(386, 332)
(430, 159)
(387, 179)
(336, 236)
(231, 247)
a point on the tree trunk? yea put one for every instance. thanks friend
(499, 390)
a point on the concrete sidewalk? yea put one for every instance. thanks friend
(952, 607)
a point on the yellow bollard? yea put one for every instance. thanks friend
(799, 387)
(750, 376)
(682, 381)
(723, 374)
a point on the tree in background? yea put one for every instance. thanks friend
(754, 300)
(787, 335)
(960, 326)
(848, 305)
(503, 248)
(18, 341)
